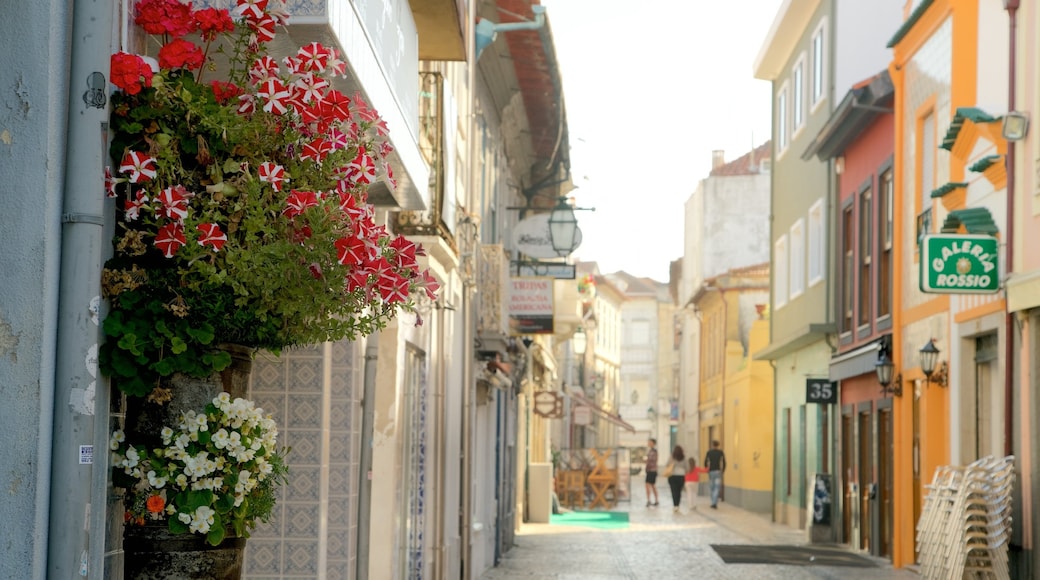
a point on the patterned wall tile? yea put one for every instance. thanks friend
(305, 411)
(263, 557)
(301, 557)
(304, 484)
(337, 509)
(339, 446)
(306, 375)
(267, 375)
(306, 447)
(340, 479)
(339, 544)
(301, 520)
(273, 403)
(340, 414)
(338, 570)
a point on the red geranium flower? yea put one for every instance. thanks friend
(211, 22)
(225, 91)
(180, 53)
(130, 72)
(165, 17)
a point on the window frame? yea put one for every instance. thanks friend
(864, 253)
(782, 128)
(798, 108)
(818, 78)
(796, 259)
(886, 230)
(848, 265)
(816, 233)
(780, 275)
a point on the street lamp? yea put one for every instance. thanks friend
(929, 356)
(563, 228)
(579, 341)
(884, 368)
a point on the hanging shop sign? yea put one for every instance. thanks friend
(530, 306)
(959, 264)
(532, 237)
(557, 270)
(582, 415)
(548, 404)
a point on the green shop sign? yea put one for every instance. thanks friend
(959, 264)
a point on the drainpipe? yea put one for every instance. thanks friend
(78, 492)
(368, 413)
(439, 452)
(1009, 317)
(468, 286)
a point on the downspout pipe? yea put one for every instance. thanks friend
(466, 491)
(1009, 317)
(368, 413)
(78, 455)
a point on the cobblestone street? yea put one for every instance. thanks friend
(659, 544)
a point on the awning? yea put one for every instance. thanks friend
(801, 338)
(581, 399)
(856, 362)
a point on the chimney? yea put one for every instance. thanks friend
(718, 158)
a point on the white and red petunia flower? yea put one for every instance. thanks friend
(393, 287)
(275, 96)
(404, 252)
(170, 239)
(246, 104)
(298, 202)
(336, 105)
(310, 88)
(132, 207)
(174, 202)
(272, 173)
(262, 69)
(336, 66)
(251, 9)
(314, 57)
(428, 283)
(338, 139)
(140, 166)
(212, 235)
(363, 168)
(111, 182)
(263, 29)
(315, 150)
(351, 251)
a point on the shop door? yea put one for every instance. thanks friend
(866, 472)
(847, 477)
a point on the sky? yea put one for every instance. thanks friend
(651, 88)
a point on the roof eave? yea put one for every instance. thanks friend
(791, 20)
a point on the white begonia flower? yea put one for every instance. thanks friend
(117, 438)
(155, 481)
(182, 441)
(184, 518)
(202, 519)
(221, 439)
(171, 509)
(132, 457)
(181, 481)
(201, 422)
(222, 399)
(167, 435)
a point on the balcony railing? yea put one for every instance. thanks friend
(439, 218)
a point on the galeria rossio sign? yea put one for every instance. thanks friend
(959, 264)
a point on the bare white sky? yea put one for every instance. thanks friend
(651, 88)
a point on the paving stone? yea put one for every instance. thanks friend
(661, 545)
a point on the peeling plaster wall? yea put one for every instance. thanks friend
(32, 155)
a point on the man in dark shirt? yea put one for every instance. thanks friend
(651, 472)
(715, 461)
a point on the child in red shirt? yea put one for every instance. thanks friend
(693, 474)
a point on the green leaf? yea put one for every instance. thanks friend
(177, 345)
(216, 532)
(176, 526)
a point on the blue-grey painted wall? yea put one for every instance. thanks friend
(33, 88)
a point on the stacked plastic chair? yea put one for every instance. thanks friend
(965, 522)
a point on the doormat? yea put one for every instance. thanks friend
(598, 520)
(790, 555)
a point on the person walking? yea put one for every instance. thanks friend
(676, 471)
(693, 475)
(651, 472)
(715, 461)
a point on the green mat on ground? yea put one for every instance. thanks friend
(598, 520)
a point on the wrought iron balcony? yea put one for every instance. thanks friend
(439, 218)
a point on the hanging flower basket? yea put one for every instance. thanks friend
(241, 200)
